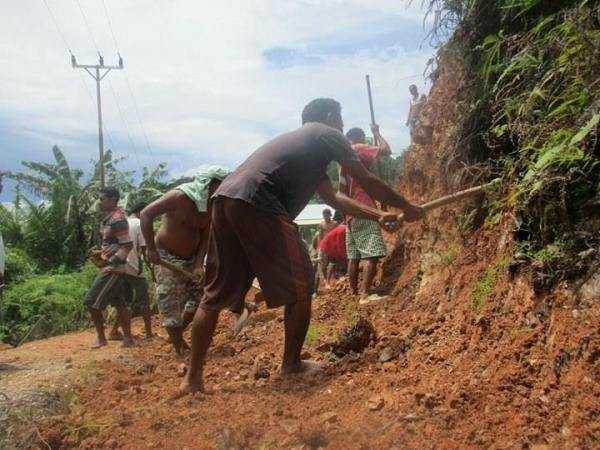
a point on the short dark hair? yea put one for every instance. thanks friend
(111, 192)
(356, 134)
(327, 211)
(318, 109)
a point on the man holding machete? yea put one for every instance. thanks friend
(253, 233)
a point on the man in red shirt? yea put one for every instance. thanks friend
(333, 251)
(364, 239)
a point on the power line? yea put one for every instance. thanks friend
(68, 47)
(131, 143)
(112, 32)
(135, 104)
(57, 27)
(87, 24)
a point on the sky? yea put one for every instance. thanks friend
(204, 82)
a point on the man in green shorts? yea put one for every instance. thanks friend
(364, 240)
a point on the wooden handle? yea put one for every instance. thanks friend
(452, 198)
(371, 105)
(175, 268)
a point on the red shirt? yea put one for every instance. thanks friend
(334, 243)
(367, 154)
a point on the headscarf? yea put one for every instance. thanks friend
(197, 190)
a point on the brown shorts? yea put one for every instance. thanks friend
(244, 243)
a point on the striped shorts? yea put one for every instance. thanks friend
(364, 239)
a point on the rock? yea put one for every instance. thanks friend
(575, 313)
(181, 370)
(328, 417)
(261, 372)
(305, 355)
(375, 403)
(590, 290)
(387, 354)
(5, 346)
(389, 366)
(410, 417)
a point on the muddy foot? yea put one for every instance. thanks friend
(115, 336)
(188, 388)
(128, 342)
(99, 343)
(306, 367)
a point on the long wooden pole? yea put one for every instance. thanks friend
(453, 198)
(368, 79)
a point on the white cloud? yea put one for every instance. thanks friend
(204, 90)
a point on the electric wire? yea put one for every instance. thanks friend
(114, 94)
(68, 47)
(135, 104)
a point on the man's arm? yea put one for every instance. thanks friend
(377, 189)
(165, 204)
(384, 147)
(351, 207)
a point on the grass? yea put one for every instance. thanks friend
(449, 256)
(486, 284)
(312, 335)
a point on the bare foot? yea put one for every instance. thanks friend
(189, 388)
(305, 367)
(127, 342)
(115, 336)
(99, 343)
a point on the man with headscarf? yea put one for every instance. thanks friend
(181, 240)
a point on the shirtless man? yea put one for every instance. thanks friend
(181, 240)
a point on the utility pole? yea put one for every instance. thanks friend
(95, 72)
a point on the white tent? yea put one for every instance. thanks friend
(312, 214)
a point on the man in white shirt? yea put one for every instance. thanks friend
(136, 285)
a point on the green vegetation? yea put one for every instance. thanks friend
(48, 231)
(312, 335)
(486, 284)
(46, 305)
(528, 112)
(448, 257)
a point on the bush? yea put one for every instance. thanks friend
(18, 265)
(46, 305)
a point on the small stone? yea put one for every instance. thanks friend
(575, 313)
(328, 417)
(181, 370)
(410, 417)
(387, 354)
(375, 403)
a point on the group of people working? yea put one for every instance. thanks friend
(242, 226)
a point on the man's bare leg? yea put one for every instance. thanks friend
(147, 316)
(187, 317)
(353, 275)
(176, 337)
(125, 322)
(98, 321)
(114, 334)
(296, 321)
(369, 275)
(203, 329)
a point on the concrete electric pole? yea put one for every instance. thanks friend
(95, 72)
